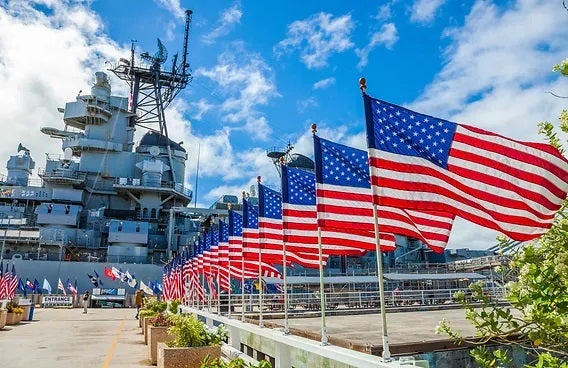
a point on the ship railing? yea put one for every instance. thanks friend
(304, 302)
(289, 350)
(135, 182)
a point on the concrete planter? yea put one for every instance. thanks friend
(3, 315)
(185, 357)
(145, 324)
(156, 335)
(13, 318)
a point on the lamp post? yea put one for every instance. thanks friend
(4, 240)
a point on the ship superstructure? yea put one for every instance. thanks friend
(106, 198)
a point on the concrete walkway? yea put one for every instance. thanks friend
(101, 338)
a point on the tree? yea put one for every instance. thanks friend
(537, 317)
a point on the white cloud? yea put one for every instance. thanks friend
(496, 74)
(227, 21)
(45, 59)
(384, 13)
(324, 83)
(424, 11)
(174, 7)
(247, 82)
(201, 107)
(306, 103)
(387, 36)
(318, 38)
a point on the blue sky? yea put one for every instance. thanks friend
(264, 71)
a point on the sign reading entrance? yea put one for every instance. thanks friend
(57, 301)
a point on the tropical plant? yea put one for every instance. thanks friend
(191, 332)
(537, 318)
(235, 363)
(14, 307)
(152, 307)
(161, 320)
(173, 306)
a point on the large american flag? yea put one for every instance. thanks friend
(251, 245)
(426, 163)
(345, 200)
(239, 267)
(270, 231)
(299, 217)
(223, 260)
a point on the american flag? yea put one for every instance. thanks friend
(271, 233)
(207, 238)
(2, 281)
(426, 163)
(70, 287)
(211, 286)
(345, 200)
(223, 259)
(299, 217)
(251, 247)
(239, 267)
(10, 282)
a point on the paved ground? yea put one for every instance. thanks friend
(404, 327)
(68, 338)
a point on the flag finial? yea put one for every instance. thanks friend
(363, 84)
(314, 128)
(258, 178)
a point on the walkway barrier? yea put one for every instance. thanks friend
(283, 350)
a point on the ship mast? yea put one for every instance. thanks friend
(152, 89)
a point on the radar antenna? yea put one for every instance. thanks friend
(153, 89)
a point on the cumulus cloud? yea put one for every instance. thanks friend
(45, 59)
(387, 36)
(317, 38)
(424, 11)
(384, 13)
(246, 81)
(324, 83)
(495, 76)
(173, 6)
(228, 19)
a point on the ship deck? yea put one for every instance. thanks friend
(112, 338)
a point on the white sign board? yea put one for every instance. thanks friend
(57, 301)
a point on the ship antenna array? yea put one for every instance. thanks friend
(151, 88)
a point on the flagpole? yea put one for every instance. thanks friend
(242, 274)
(242, 287)
(386, 352)
(284, 273)
(260, 288)
(230, 284)
(286, 326)
(324, 340)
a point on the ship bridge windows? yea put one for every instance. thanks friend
(153, 213)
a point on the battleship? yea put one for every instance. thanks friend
(106, 200)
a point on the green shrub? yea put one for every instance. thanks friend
(191, 332)
(173, 307)
(235, 363)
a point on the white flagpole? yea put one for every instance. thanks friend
(286, 325)
(242, 288)
(230, 285)
(386, 351)
(324, 340)
(260, 288)
(260, 322)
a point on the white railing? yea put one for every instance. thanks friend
(294, 351)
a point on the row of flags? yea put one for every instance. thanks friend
(417, 175)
